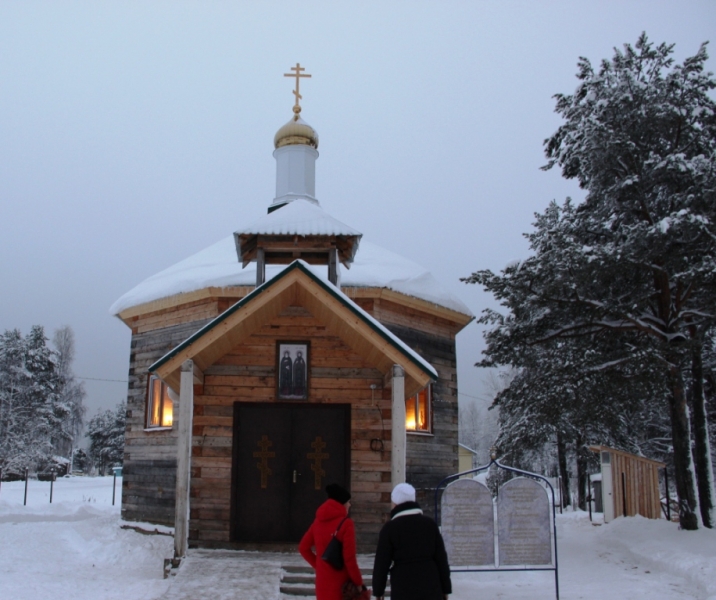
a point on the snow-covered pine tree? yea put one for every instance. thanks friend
(709, 365)
(469, 424)
(573, 393)
(70, 393)
(41, 399)
(106, 433)
(39, 406)
(479, 419)
(638, 256)
(699, 425)
(13, 381)
(571, 348)
(640, 136)
(80, 461)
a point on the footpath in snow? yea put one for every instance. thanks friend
(74, 548)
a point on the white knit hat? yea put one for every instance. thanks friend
(403, 492)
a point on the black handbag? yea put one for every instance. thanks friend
(333, 554)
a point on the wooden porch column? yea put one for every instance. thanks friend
(186, 412)
(260, 267)
(333, 267)
(399, 441)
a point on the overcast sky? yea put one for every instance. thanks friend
(134, 134)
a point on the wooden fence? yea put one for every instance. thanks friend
(630, 484)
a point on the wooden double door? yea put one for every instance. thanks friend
(283, 457)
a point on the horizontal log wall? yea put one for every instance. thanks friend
(150, 456)
(191, 312)
(391, 313)
(429, 458)
(248, 374)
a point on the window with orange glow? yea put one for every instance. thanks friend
(160, 409)
(417, 412)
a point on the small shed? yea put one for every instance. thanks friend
(630, 484)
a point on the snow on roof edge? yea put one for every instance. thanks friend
(217, 266)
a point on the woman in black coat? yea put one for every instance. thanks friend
(412, 544)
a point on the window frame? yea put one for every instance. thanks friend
(428, 390)
(149, 404)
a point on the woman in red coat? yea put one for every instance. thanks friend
(329, 515)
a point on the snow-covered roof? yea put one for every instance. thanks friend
(299, 217)
(311, 271)
(375, 266)
(217, 266)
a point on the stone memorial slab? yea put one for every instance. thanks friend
(468, 524)
(523, 523)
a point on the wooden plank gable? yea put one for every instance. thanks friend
(296, 285)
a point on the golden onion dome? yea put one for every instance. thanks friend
(296, 132)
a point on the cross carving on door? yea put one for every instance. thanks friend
(318, 444)
(264, 455)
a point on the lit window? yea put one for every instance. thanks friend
(160, 408)
(417, 412)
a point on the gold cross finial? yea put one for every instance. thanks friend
(298, 68)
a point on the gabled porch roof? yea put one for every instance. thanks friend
(298, 285)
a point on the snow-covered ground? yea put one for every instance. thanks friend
(627, 559)
(74, 548)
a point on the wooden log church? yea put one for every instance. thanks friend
(289, 355)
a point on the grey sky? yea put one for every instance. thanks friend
(135, 134)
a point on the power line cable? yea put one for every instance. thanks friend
(469, 396)
(97, 379)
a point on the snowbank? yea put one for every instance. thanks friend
(624, 560)
(662, 547)
(74, 548)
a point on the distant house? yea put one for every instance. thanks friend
(305, 355)
(466, 458)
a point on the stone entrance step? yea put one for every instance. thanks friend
(301, 580)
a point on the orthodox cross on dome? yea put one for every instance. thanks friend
(298, 68)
